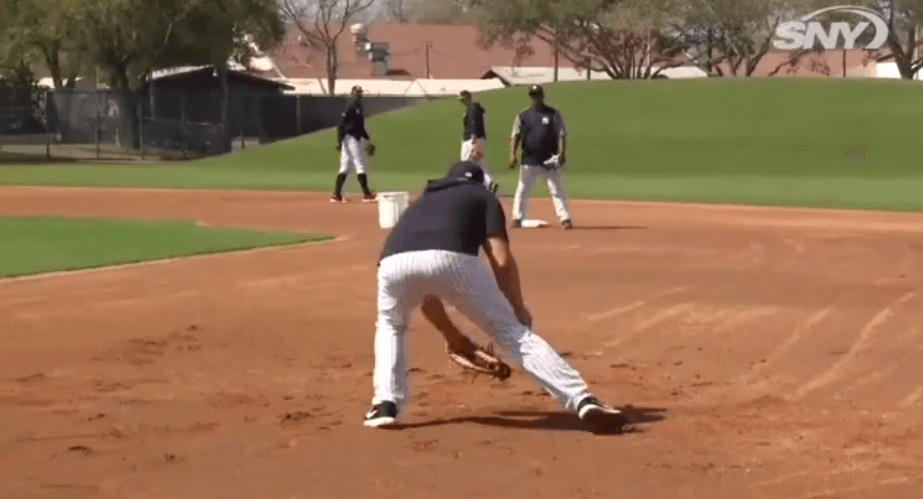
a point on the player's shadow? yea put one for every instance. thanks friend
(608, 227)
(548, 420)
(595, 227)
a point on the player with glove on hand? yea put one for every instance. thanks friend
(351, 133)
(431, 255)
(541, 131)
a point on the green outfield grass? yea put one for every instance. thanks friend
(745, 140)
(32, 245)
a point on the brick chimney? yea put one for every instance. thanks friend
(360, 34)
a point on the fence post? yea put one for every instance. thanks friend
(260, 115)
(182, 121)
(140, 129)
(47, 129)
(298, 113)
(96, 93)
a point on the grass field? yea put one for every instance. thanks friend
(33, 245)
(785, 141)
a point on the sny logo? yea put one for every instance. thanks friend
(804, 35)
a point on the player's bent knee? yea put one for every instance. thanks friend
(394, 325)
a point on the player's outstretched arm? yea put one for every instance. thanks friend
(501, 259)
(461, 349)
(435, 313)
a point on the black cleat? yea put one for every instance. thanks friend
(382, 414)
(599, 417)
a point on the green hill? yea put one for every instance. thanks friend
(759, 140)
(689, 127)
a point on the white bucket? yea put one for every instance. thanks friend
(391, 206)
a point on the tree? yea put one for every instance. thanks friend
(625, 41)
(398, 10)
(46, 33)
(128, 40)
(442, 12)
(618, 37)
(904, 18)
(728, 35)
(321, 22)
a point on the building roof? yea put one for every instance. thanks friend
(531, 75)
(393, 87)
(208, 73)
(454, 53)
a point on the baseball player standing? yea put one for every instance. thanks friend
(474, 137)
(431, 255)
(541, 131)
(351, 133)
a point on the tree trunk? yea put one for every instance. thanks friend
(129, 131)
(906, 64)
(332, 67)
(151, 96)
(225, 104)
(557, 38)
(52, 60)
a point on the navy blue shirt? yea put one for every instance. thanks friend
(451, 214)
(352, 121)
(540, 129)
(473, 122)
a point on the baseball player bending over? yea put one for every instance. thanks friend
(543, 134)
(474, 137)
(351, 133)
(432, 255)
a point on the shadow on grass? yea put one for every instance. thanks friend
(549, 420)
(16, 159)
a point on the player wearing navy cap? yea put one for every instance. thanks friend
(351, 134)
(474, 137)
(431, 255)
(542, 133)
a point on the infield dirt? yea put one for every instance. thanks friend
(779, 348)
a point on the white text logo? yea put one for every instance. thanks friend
(802, 34)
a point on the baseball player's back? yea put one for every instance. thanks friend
(432, 251)
(452, 215)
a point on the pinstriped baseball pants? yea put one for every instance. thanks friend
(465, 282)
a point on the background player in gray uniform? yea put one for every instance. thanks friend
(431, 255)
(543, 134)
(351, 133)
(474, 137)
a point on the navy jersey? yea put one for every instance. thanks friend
(451, 214)
(473, 122)
(352, 121)
(540, 129)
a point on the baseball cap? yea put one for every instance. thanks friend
(536, 90)
(466, 169)
(463, 94)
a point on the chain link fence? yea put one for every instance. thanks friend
(155, 125)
